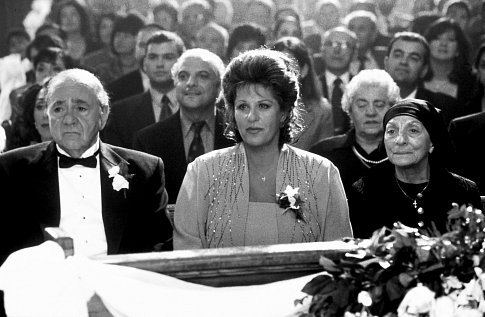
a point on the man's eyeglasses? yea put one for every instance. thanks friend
(334, 44)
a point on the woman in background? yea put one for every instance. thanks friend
(450, 69)
(262, 190)
(316, 110)
(33, 125)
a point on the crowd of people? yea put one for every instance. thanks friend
(261, 121)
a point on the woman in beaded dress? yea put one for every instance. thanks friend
(414, 185)
(229, 196)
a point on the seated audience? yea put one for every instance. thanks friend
(157, 103)
(287, 26)
(17, 41)
(32, 125)
(47, 63)
(243, 38)
(134, 82)
(108, 199)
(407, 61)
(223, 13)
(166, 15)
(333, 69)
(122, 61)
(459, 11)
(195, 14)
(197, 127)
(327, 15)
(414, 186)
(260, 12)
(316, 111)
(476, 102)
(228, 196)
(213, 38)
(366, 99)
(74, 20)
(372, 45)
(450, 71)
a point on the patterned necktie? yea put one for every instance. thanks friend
(338, 114)
(67, 161)
(196, 147)
(165, 111)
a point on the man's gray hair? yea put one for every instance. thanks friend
(212, 59)
(83, 77)
(370, 77)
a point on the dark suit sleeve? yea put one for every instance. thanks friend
(138, 143)
(112, 131)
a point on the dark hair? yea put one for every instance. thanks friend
(130, 23)
(43, 41)
(23, 126)
(411, 37)
(423, 20)
(245, 32)
(457, 3)
(291, 10)
(51, 54)
(461, 65)
(83, 14)
(282, 20)
(167, 36)
(53, 26)
(310, 84)
(273, 70)
(169, 6)
(17, 32)
(107, 15)
(365, 5)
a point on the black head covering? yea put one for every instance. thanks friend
(432, 120)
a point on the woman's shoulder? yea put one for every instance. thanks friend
(307, 157)
(217, 155)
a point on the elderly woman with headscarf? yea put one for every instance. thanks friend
(413, 186)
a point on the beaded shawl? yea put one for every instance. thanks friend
(215, 191)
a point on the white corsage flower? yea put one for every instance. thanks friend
(120, 177)
(290, 199)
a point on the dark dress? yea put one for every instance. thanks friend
(376, 200)
(338, 149)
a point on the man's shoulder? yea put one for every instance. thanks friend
(131, 101)
(134, 156)
(161, 127)
(125, 79)
(329, 144)
(436, 98)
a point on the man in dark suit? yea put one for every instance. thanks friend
(134, 82)
(372, 44)
(110, 200)
(339, 45)
(158, 102)
(407, 62)
(197, 127)
(464, 133)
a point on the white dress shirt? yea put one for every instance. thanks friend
(157, 102)
(330, 78)
(81, 206)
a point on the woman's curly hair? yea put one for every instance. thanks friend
(273, 70)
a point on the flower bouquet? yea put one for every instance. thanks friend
(401, 272)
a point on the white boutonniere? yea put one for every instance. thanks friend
(290, 199)
(120, 176)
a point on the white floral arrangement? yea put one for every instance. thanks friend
(401, 272)
(120, 176)
(290, 199)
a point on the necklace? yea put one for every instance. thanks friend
(418, 196)
(364, 160)
(262, 176)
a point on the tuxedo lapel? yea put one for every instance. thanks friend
(45, 185)
(113, 202)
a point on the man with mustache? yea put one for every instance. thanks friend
(158, 102)
(407, 62)
(197, 127)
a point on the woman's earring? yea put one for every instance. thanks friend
(431, 149)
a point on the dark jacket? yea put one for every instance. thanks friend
(125, 86)
(376, 200)
(164, 139)
(134, 220)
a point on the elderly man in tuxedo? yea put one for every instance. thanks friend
(110, 200)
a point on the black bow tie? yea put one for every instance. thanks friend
(66, 161)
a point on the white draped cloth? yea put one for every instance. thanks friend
(39, 281)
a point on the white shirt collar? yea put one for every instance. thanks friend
(412, 94)
(90, 151)
(330, 78)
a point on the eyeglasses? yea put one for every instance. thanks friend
(334, 44)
